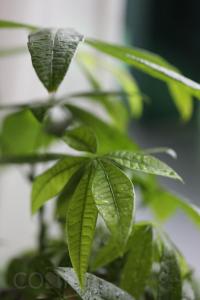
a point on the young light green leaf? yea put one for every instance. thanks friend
(95, 288)
(108, 137)
(169, 281)
(139, 161)
(114, 197)
(138, 265)
(6, 24)
(81, 138)
(52, 51)
(80, 225)
(138, 58)
(182, 100)
(164, 204)
(51, 182)
(30, 159)
(22, 134)
(90, 62)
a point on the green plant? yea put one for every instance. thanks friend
(93, 189)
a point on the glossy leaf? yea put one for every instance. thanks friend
(169, 281)
(141, 162)
(138, 264)
(81, 138)
(81, 223)
(137, 58)
(6, 24)
(51, 182)
(95, 288)
(114, 197)
(108, 137)
(52, 51)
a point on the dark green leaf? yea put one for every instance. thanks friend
(81, 223)
(138, 58)
(52, 51)
(51, 182)
(139, 161)
(169, 281)
(139, 261)
(81, 138)
(95, 288)
(6, 24)
(114, 197)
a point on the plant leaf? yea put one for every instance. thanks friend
(182, 100)
(30, 159)
(52, 51)
(164, 204)
(81, 138)
(6, 24)
(138, 265)
(95, 288)
(90, 62)
(22, 134)
(138, 58)
(62, 201)
(108, 137)
(81, 223)
(141, 162)
(51, 182)
(169, 281)
(114, 197)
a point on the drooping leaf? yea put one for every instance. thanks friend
(114, 197)
(52, 51)
(131, 88)
(22, 134)
(182, 100)
(138, 264)
(81, 138)
(95, 288)
(114, 106)
(169, 281)
(80, 224)
(128, 84)
(108, 137)
(164, 204)
(138, 58)
(6, 24)
(30, 159)
(51, 182)
(139, 161)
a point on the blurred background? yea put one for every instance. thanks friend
(169, 28)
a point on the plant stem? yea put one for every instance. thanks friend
(42, 231)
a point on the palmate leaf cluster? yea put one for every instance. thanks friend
(96, 185)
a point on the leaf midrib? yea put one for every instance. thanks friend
(111, 190)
